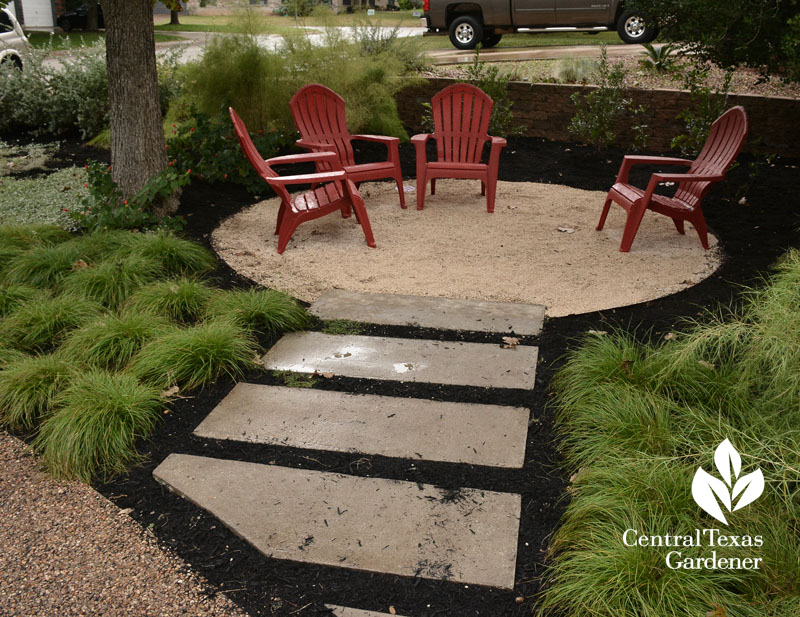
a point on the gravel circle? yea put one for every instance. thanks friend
(66, 550)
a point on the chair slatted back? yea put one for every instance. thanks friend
(319, 114)
(252, 154)
(461, 115)
(724, 142)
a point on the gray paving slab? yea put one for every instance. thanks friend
(410, 428)
(372, 357)
(372, 524)
(343, 611)
(429, 312)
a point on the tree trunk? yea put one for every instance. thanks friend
(173, 18)
(137, 135)
(91, 15)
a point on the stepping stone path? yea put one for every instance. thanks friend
(373, 524)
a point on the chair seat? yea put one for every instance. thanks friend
(369, 171)
(455, 166)
(320, 197)
(631, 194)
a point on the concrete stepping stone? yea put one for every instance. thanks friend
(343, 611)
(370, 357)
(389, 526)
(389, 426)
(430, 312)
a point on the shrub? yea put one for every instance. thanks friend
(41, 323)
(14, 296)
(44, 267)
(100, 245)
(29, 236)
(111, 282)
(112, 340)
(9, 356)
(28, 388)
(659, 59)
(175, 255)
(195, 356)
(574, 70)
(183, 300)
(707, 106)
(94, 430)
(264, 310)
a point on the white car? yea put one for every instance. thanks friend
(13, 43)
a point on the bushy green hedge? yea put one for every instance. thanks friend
(637, 420)
(95, 330)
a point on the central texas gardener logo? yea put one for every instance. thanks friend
(709, 492)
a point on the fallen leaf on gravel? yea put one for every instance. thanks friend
(509, 342)
(392, 610)
(248, 253)
(323, 375)
(566, 230)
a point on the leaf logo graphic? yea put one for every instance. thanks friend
(709, 492)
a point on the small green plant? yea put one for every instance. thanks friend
(175, 255)
(295, 380)
(41, 323)
(43, 267)
(261, 310)
(9, 356)
(100, 245)
(342, 326)
(659, 59)
(111, 341)
(105, 208)
(99, 418)
(574, 70)
(13, 296)
(707, 105)
(111, 282)
(28, 387)
(597, 113)
(29, 236)
(181, 300)
(193, 357)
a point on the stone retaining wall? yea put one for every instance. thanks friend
(546, 110)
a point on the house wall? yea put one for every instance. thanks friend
(546, 111)
(38, 14)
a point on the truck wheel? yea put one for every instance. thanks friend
(633, 28)
(465, 32)
(491, 40)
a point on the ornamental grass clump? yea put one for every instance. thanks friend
(182, 300)
(28, 387)
(9, 356)
(261, 310)
(41, 323)
(175, 255)
(27, 236)
(13, 296)
(111, 282)
(638, 419)
(45, 266)
(99, 418)
(111, 341)
(195, 356)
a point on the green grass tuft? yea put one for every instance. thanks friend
(9, 356)
(43, 267)
(100, 245)
(176, 256)
(42, 322)
(182, 300)
(28, 388)
(13, 296)
(342, 326)
(295, 380)
(98, 420)
(196, 356)
(262, 310)
(112, 340)
(28, 236)
(111, 282)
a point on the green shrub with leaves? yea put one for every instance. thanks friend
(29, 236)
(110, 282)
(707, 106)
(574, 70)
(99, 418)
(195, 356)
(41, 323)
(175, 255)
(637, 419)
(598, 111)
(262, 310)
(659, 59)
(111, 341)
(183, 300)
(43, 267)
(28, 387)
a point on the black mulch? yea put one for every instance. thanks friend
(753, 235)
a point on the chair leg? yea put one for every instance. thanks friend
(699, 223)
(290, 223)
(679, 226)
(604, 214)
(363, 218)
(635, 216)
(433, 186)
(399, 180)
(490, 189)
(483, 188)
(281, 212)
(422, 185)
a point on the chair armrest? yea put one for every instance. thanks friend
(498, 141)
(377, 138)
(421, 138)
(329, 157)
(631, 160)
(308, 178)
(315, 147)
(687, 177)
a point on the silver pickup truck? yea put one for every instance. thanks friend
(486, 21)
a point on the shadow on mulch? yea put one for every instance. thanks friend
(752, 235)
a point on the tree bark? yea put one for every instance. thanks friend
(91, 15)
(173, 18)
(137, 135)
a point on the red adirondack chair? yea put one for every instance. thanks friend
(332, 191)
(319, 115)
(461, 114)
(722, 146)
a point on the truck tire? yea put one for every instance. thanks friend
(466, 32)
(634, 28)
(490, 40)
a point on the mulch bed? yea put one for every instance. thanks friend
(752, 235)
